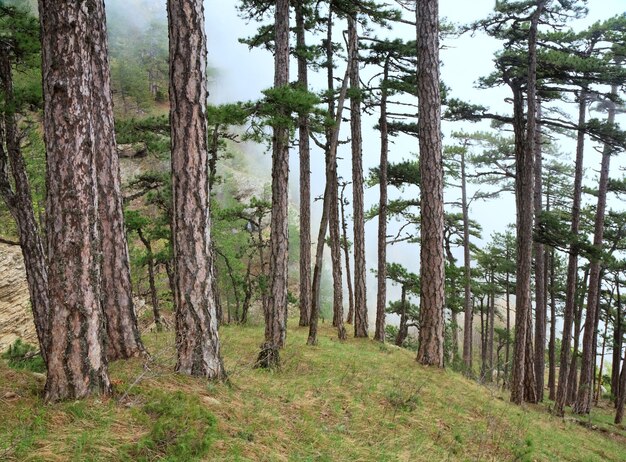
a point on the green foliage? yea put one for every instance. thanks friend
(181, 428)
(23, 356)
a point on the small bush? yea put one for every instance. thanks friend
(181, 428)
(23, 356)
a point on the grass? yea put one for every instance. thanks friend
(352, 401)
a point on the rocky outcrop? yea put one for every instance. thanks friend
(16, 319)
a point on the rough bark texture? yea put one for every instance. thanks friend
(572, 377)
(151, 280)
(123, 339)
(583, 401)
(621, 399)
(76, 360)
(524, 187)
(540, 271)
(432, 292)
(618, 338)
(468, 327)
(305, 178)
(276, 318)
(20, 204)
(335, 248)
(381, 298)
(360, 268)
(197, 342)
(572, 265)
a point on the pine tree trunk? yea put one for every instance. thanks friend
(583, 401)
(151, 280)
(540, 271)
(403, 329)
(521, 386)
(335, 250)
(346, 252)
(381, 298)
(468, 328)
(572, 265)
(360, 268)
(123, 340)
(492, 311)
(305, 176)
(432, 291)
(276, 320)
(621, 397)
(572, 379)
(197, 342)
(20, 204)
(76, 355)
(603, 350)
(617, 342)
(552, 343)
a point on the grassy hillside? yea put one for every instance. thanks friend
(357, 401)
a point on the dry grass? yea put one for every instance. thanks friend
(356, 401)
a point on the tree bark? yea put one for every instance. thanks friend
(490, 332)
(151, 280)
(572, 379)
(552, 343)
(617, 341)
(540, 271)
(19, 201)
(381, 298)
(276, 318)
(305, 176)
(572, 264)
(123, 340)
(432, 291)
(524, 189)
(197, 341)
(360, 268)
(468, 328)
(346, 252)
(76, 352)
(621, 398)
(583, 402)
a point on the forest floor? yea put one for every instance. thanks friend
(352, 401)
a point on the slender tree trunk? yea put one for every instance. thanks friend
(305, 176)
(599, 382)
(335, 250)
(483, 342)
(572, 264)
(583, 402)
(20, 204)
(153, 291)
(492, 311)
(360, 268)
(346, 252)
(432, 291)
(197, 342)
(552, 343)
(76, 352)
(403, 329)
(572, 380)
(276, 319)
(621, 398)
(381, 299)
(617, 341)
(468, 328)
(507, 351)
(540, 271)
(123, 340)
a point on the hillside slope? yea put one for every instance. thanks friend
(356, 401)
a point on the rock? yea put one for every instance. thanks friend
(16, 319)
(132, 151)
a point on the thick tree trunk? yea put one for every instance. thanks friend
(432, 291)
(540, 271)
(572, 264)
(20, 204)
(276, 317)
(360, 268)
(305, 176)
(381, 297)
(468, 328)
(123, 340)
(197, 342)
(583, 402)
(76, 354)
